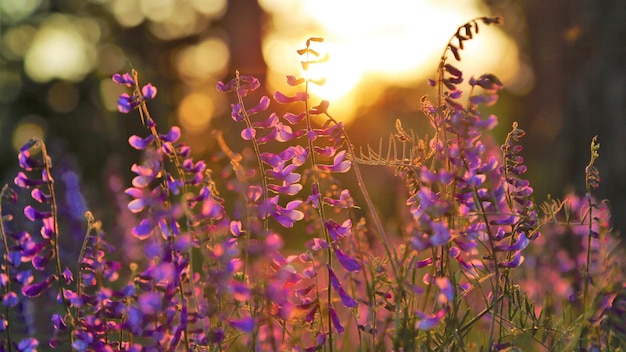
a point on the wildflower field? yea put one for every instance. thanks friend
(208, 261)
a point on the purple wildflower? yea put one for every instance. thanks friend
(28, 344)
(429, 321)
(339, 164)
(347, 301)
(347, 262)
(34, 290)
(245, 324)
(335, 319)
(124, 79)
(283, 99)
(242, 84)
(127, 102)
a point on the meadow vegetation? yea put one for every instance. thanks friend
(478, 263)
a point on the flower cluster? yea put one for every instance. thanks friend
(271, 254)
(127, 102)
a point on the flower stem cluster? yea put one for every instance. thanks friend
(280, 261)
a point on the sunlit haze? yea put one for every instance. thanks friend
(373, 44)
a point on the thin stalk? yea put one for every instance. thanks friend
(321, 212)
(55, 236)
(79, 284)
(368, 199)
(257, 152)
(145, 116)
(5, 243)
(492, 246)
(591, 181)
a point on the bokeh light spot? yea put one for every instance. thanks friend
(62, 97)
(195, 112)
(111, 59)
(157, 10)
(59, 51)
(392, 43)
(32, 126)
(127, 13)
(210, 8)
(209, 58)
(16, 41)
(182, 21)
(15, 11)
(109, 94)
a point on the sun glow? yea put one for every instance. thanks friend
(373, 45)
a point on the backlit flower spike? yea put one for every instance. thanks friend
(264, 103)
(124, 79)
(26, 162)
(345, 200)
(297, 154)
(190, 167)
(286, 188)
(174, 185)
(515, 262)
(429, 321)
(294, 81)
(28, 344)
(235, 228)
(241, 84)
(283, 99)
(321, 108)
(33, 214)
(47, 230)
(284, 133)
(127, 102)
(36, 289)
(148, 91)
(346, 300)
(317, 243)
(248, 133)
(172, 136)
(237, 112)
(140, 143)
(288, 215)
(328, 151)
(293, 118)
(270, 122)
(334, 134)
(23, 181)
(489, 82)
(244, 324)
(144, 230)
(347, 262)
(335, 319)
(521, 243)
(339, 164)
(211, 207)
(284, 173)
(336, 231)
(446, 290)
(269, 137)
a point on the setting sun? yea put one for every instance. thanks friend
(372, 45)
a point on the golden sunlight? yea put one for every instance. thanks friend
(373, 44)
(64, 48)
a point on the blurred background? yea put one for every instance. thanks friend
(563, 63)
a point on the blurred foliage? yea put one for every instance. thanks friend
(57, 56)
